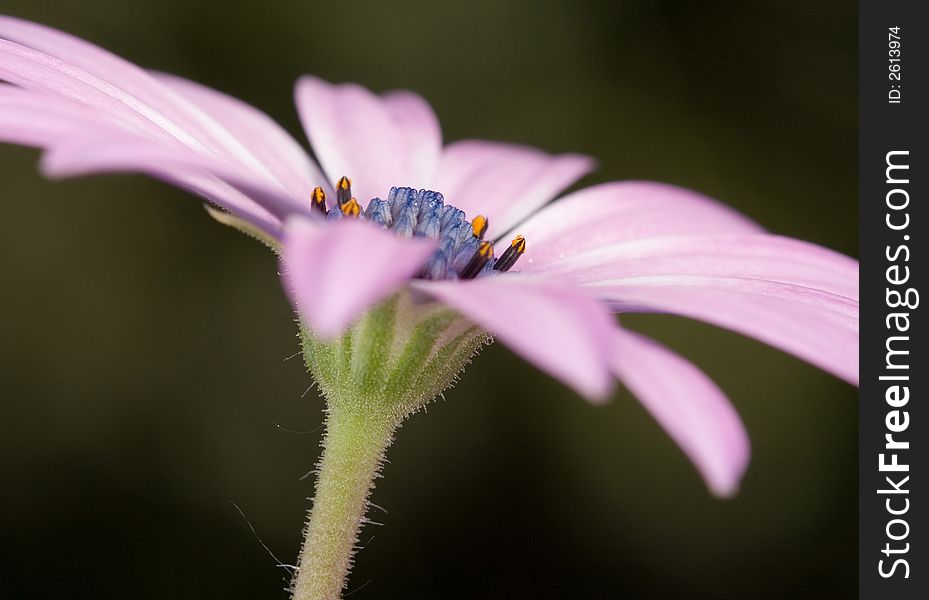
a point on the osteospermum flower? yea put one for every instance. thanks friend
(402, 256)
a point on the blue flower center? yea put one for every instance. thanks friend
(462, 253)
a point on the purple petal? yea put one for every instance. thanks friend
(39, 57)
(377, 142)
(133, 154)
(688, 405)
(334, 272)
(819, 327)
(36, 71)
(268, 141)
(44, 121)
(623, 211)
(110, 99)
(753, 256)
(420, 133)
(31, 119)
(504, 182)
(560, 329)
(629, 242)
(52, 63)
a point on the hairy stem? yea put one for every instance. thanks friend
(356, 439)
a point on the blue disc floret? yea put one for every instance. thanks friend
(462, 252)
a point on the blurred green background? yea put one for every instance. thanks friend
(142, 364)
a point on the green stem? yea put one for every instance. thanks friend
(356, 440)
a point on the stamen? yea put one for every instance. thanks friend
(351, 208)
(511, 254)
(461, 252)
(343, 190)
(479, 226)
(484, 253)
(318, 200)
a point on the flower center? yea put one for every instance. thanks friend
(462, 253)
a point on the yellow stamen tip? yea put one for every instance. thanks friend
(479, 226)
(519, 244)
(344, 183)
(486, 249)
(351, 208)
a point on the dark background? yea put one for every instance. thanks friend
(142, 347)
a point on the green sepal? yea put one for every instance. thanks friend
(395, 359)
(245, 227)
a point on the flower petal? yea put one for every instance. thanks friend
(77, 97)
(623, 211)
(421, 134)
(334, 272)
(559, 329)
(283, 156)
(31, 69)
(44, 121)
(31, 119)
(630, 242)
(755, 256)
(45, 60)
(128, 153)
(819, 327)
(505, 182)
(688, 405)
(377, 142)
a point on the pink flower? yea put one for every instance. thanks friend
(616, 247)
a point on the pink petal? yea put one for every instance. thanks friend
(377, 142)
(45, 121)
(79, 96)
(819, 327)
(39, 120)
(420, 133)
(504, 182)
(335, 272)
(36, 71)
(755, 256)
(42, 59)
(559, 329)
(267, 140)
(652, 247)
(624, 211)
(133, 154)
(688, 405)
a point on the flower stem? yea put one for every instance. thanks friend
(356, 439)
